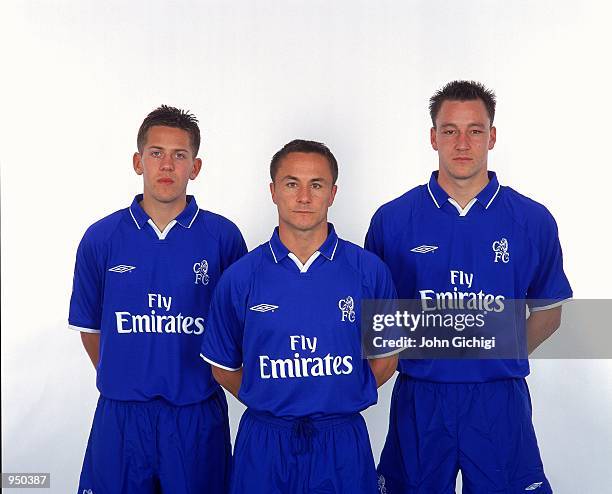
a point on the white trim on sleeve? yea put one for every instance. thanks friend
(212, 362)
(388, 354)
(550, 306)
(83, 330)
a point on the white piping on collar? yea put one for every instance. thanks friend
(132, 215)
(334, 251)
(462, 211)
(432, 196)
(489, 203)
(273, 254)
(162, 235)
(194, 217)
(303, 267)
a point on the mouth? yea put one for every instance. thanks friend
(165, 181)
(463, 159)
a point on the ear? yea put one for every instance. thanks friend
(197, 167)
(332, 196)
(273, 192)
(492, 137)
(137, 164)
(432, 138)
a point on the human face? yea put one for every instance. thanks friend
(303, 191)
(167, 164)
(463, 136)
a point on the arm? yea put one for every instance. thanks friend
(91, 342)
(85, 313)
(383, 368)
(230, 380)
(549, 286)
(541, 325)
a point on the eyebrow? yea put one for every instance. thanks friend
(473, 124)
(175, 150)
(291, 177)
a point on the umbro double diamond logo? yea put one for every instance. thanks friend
(424, 249)
(122, 268)
(263, 307)
(534, 486)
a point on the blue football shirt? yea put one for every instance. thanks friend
(502, 245)
(147, 293)
(295, 329)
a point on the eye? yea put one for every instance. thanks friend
(291, 185)
(317, 185)
(181, 156)
(448, 132)
(156, 154)
(476, 132)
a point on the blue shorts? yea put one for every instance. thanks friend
(482, 429)
(303, 456)
(155, 447)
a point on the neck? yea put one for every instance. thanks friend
(302, 243)
(162, 213)
(463, 190)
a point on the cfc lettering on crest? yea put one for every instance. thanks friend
(347, 307)
(201, 272)
(381, 485)
(500, 247)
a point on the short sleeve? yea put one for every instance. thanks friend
(222, 341)
(383, 300)
(383, 285)
(549, 287)
(87, 286)
(233, 247)
(374, 241)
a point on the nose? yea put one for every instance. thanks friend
(166, 162)
(463, 142)
(304, 195)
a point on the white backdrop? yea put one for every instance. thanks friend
(79, 76)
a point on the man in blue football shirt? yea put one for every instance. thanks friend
(143, 281)
(462, 234)
(284, 338)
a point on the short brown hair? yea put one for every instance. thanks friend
(303, 146)
(462, 91)
(168, 116)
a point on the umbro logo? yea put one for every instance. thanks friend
(534, 486)
(424, 249)
(263, 307)
(122, 268)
